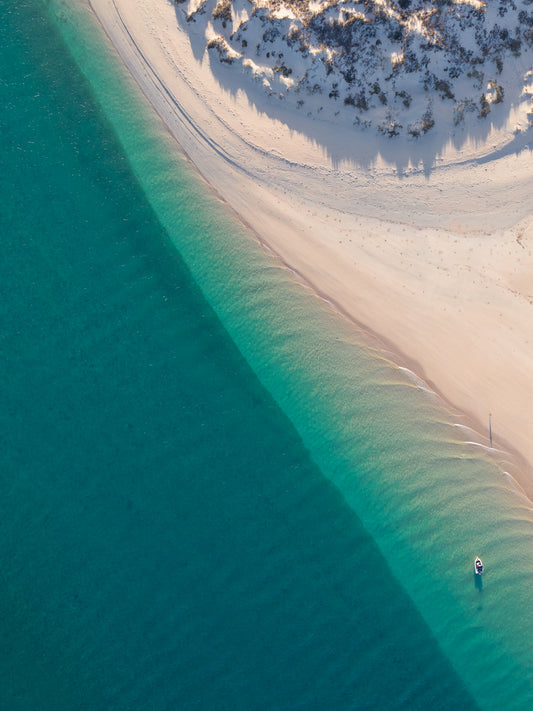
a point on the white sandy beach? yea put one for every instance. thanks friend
(427, 244)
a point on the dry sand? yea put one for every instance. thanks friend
(426, 243)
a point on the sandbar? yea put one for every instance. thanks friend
(426, 243)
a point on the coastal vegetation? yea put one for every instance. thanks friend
(396, 65)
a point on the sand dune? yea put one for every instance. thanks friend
(427, 244)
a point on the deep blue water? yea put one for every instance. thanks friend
(167, 539)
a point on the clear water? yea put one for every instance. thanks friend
(213, 494)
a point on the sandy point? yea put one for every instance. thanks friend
(426, 243)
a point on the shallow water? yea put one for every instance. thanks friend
(215, 495)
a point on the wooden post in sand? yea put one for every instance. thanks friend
(490, 428)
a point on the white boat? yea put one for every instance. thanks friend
(478, 566)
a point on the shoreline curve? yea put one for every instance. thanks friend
(448, 296)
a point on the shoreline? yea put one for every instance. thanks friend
(447, 300)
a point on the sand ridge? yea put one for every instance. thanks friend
(426, 243)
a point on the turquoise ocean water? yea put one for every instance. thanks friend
(213, 493)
